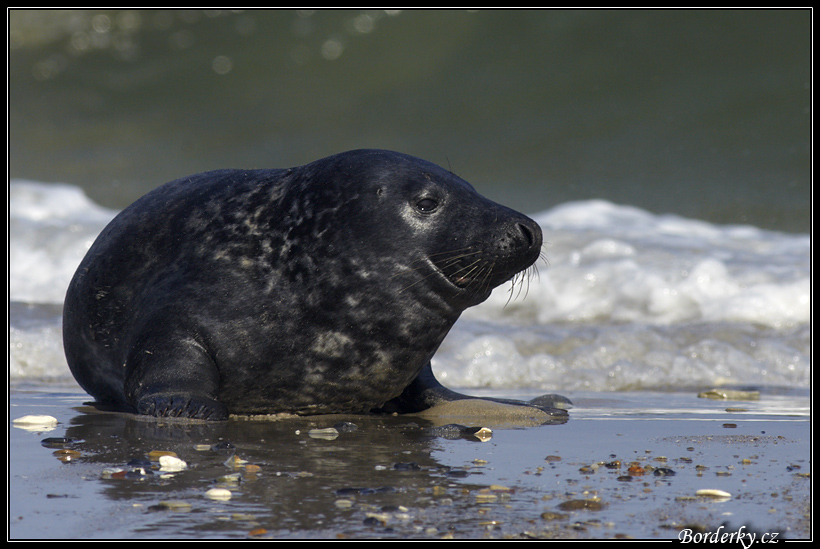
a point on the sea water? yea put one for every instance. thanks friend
(623, 300)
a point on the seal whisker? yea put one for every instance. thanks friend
(459, 275)
(511, 290)
(451, 261)
(486, 281)
(520, 279)
(450, 264)
(424, 261)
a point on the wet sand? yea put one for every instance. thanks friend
(625, 465)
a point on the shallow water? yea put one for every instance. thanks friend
(391, 478)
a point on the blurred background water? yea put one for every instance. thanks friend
(701, 113)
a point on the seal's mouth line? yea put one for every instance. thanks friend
(468, 272)
(435, 270)
(473, 277)
(438, 270)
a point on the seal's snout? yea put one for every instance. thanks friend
(522, 237)
(519, 237)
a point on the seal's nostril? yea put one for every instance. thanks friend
(527, 234)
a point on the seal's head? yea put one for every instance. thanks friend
(415, 226)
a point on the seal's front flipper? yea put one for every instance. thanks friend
(173, 376)
(181, 406)
(425, 392)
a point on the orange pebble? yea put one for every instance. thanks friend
(636, 470)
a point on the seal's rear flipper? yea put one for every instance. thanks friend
(425, 392)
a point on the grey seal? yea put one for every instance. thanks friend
(325, 288)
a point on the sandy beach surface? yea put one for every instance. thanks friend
(625, 465)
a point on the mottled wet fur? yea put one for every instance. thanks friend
(319, 289)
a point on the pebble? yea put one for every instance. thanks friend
(581, 504)
(223, 446)
(175, 505)
(712, 493)
(233, 478)
(154, 455)
(485, 498)
(729, 394)
(66, 455)
(380, 518)
(326, 434)
(35, 423)
(56, 442)
(220, 494)
(235, 462)
(663, 472)
(171, 464)
(551, 515)
(458, 473)
(113, 472)
(636, 470)
(345, 427)
(484, 434)
(372, 520)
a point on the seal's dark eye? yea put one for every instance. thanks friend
(427, 205)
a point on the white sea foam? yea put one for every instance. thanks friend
(51, 227)
(628, 300)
